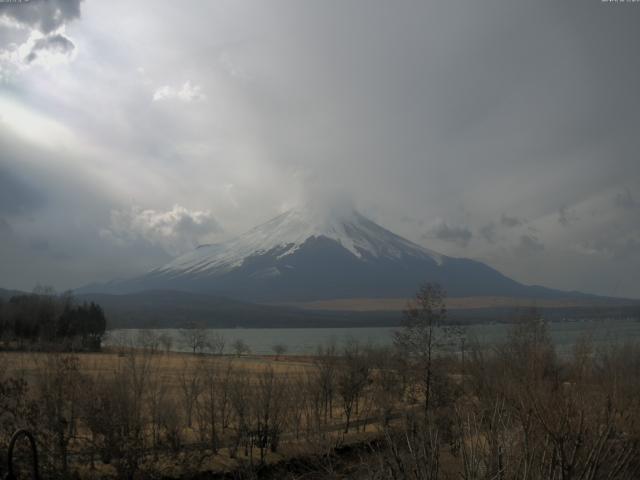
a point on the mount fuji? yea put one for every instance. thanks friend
(309, 254)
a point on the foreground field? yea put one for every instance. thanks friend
(168, 413)
(172, 364)
(518, 411)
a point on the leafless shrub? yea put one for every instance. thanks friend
(407, 453)
(166, 341)
(271, 408)
(148, 339)
(115, 413)
(213, 402)
(58, 385)
(217, 343)
(279, 349)
(190, 382)
(240, 347)
(326, 361)
(240, 402)
(352, 378)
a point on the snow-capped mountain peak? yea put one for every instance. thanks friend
(288, 232)
(313, 253)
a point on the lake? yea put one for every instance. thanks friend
(302, 341)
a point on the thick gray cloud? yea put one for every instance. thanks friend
(42, 15)
(508, 221)
(460, 111)
(625, 200)
(457, 234)
(17, 195)
(529, 244)
(617, 248)
(32, 33)
(488, 232)
(567, 217)
(56, 43)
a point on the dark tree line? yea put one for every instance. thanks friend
(44, 317)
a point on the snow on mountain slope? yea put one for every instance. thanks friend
(285, 234)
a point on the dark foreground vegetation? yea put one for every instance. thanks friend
(517, 411)
(45, 320)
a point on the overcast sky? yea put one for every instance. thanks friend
(506, 131)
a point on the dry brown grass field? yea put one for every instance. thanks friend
(518, 411)
(181, 384)
(171, 364)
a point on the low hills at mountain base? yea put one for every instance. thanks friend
(170, 309)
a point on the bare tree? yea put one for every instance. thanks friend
(156, 402)
(195, 337)
(311, 401)
(279, 349)
(114, 412)
(326, 362)
(190, 388)
(213, 402)
(59, 383)
(420, 336)
(240, 347)
(300, 399)
(270, 408)
(387, 387)
(352, 378)
(240, 402)
(217, 343)
(148, 339)
(166, 341)
(529, 349)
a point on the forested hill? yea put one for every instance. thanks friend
(161, 309)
